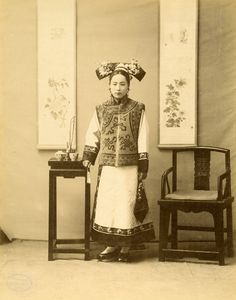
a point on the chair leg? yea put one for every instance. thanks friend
(163, 231)
(229, 218)
(174, 232)
(219, 234)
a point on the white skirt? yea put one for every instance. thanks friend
(116, 197)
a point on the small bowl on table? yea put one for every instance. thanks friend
(60, 155)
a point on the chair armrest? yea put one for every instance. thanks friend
(223, 190)
(165, 182)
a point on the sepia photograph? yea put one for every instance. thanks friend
(117, 149)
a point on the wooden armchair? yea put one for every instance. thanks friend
(177, 195)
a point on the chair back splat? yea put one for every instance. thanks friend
(202, 169)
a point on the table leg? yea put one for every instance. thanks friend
(52, 214)
(87, 219)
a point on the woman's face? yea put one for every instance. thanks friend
(119, 86)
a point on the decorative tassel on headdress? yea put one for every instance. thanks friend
(133, 69)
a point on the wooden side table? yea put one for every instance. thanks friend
(67, 169)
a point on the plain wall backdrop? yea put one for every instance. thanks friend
(106, 30)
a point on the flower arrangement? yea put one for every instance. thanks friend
(105, 68)
(133, 68)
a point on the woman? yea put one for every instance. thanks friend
(118, 130)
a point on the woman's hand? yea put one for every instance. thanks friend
(86, 163)
(142, 175)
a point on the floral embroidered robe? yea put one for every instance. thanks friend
(120, 133)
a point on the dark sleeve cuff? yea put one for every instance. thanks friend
(143, 162)
(90, 153)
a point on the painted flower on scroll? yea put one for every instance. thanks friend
(58, 104)
(175, 116)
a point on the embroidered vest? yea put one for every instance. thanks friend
(119, 125)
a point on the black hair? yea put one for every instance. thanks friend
(122, 72)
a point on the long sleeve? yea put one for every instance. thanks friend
(92, 140)
(143, 142)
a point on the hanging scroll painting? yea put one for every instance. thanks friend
(178, 73)
(56, 73)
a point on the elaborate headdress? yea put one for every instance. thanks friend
(133, 69)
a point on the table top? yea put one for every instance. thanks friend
(65, 164)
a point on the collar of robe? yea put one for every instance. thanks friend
(121, 101)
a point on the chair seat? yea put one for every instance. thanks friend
(192, 195)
